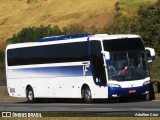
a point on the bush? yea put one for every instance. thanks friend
(34, 34)
(2, 69)
(148, 25)
(75, 29)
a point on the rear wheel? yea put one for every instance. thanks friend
(30, 95)
(87, 95)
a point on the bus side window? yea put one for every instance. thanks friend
(97, 61)
(18, 56)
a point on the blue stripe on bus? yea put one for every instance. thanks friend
(61, 71)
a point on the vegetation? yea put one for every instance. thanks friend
(154, 69)
(2, 69)
(33, 34)
(148, 25)
(145, 23)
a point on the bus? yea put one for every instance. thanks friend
(81, 66)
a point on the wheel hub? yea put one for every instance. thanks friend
(30, 95)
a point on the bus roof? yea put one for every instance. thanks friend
(71, 38)
(112, 37)
(94, 37)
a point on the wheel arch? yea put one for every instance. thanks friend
(86, 94)
(27, 87)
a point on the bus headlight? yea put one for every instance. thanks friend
(114, 85)
(146, 82)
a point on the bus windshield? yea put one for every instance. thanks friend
(129, 65)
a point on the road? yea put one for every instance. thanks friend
(111, 108)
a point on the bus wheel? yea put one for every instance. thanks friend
(87, 95)
(30, 95)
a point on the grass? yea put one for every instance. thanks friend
(17, 14)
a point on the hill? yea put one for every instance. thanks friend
(17, 14)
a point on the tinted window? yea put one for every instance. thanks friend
(58, 53)
(125, 44)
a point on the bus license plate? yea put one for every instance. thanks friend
(132, 91)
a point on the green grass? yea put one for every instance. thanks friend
(132, 6)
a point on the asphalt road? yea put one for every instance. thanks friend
(105, 108)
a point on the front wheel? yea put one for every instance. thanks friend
(30, 95)
(87, 95)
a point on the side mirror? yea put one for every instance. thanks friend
(151, 54)
(107, 56)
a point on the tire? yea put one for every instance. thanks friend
(30, 95)
(87, 95)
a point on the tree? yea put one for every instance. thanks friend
(75, 29)
(148, 25)
(33, 34)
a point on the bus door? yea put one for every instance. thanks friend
(98, 67)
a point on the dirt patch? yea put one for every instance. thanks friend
(106, 18)
(2, 44)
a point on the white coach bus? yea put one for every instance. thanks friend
(78, 66)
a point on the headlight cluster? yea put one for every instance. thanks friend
(146, 82)
(114, 85)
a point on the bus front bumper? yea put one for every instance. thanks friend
(120, 92)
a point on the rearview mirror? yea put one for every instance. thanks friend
(107, 56)
(151, 54)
